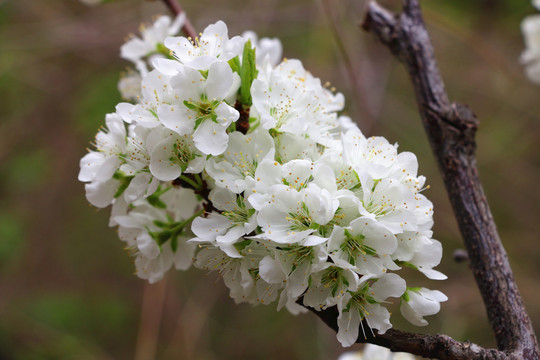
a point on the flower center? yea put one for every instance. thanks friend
(354, 246)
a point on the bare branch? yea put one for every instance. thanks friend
(176, 9)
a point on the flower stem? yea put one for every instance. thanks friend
(195, 185)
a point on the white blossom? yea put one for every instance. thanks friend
(364, 303)
(417, 303)
(158, 236)
(202, 52)
(136, 48)
(235, 169)
(199, 109)
(239, 162)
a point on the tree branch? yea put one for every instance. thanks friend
(176, 9)
(431, 346)
(451, 129)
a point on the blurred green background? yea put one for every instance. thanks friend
(67, 289)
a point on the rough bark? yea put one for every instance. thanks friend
(430, 346)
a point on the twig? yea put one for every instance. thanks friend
(176, 9)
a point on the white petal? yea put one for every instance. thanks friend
(167, 66)
(348, 324)
(223, 199)
(161, 165)
(108, 168)
(196, 165)
(183, 257)
(219, 81)
(147, 246)
(378, 318)
(177, 118)
(211, 227)
(428, 255)
(211, 138)
(188, 84)
(299, 279)
(412, 316)
(135, 49)
(230, 250)
(390, 285)
(432, 274)
(90, 164)
(101, 194)
(181, 46)
(226, 114)
(234, 234)
(138, 186)
(270, 271)
(313, 240)
(230, 97)
(125, 111)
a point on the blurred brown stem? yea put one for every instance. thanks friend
(176, 9)
(152, 309)
(367, 119)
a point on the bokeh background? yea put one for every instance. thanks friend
(67, 289)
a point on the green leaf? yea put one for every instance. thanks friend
(371, 300)
(231, 128)
(163, 236)
(248, 73)
(160, 224)
(155, 201)
(405, 296)
(174, 242)
(235, 64)
(124, 183)
(191, 105)
(274, 132)
(160, 48)
(241, 245)
(204, 73)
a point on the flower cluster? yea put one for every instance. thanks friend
(237, 161)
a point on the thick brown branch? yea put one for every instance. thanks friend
(430, 346)
(451, 128)
(242, 124)
(176, 9)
